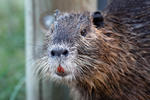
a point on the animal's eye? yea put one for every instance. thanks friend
(83, 32)
(108, 34)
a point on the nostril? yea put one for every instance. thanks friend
(65, 52)
(59, 52)
(53, 53)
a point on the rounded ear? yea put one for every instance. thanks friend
(46, 19)
(98, 19)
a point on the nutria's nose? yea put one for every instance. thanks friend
(59, 52)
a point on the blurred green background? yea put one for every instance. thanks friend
(12, 59)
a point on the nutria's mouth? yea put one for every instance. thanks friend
(62, 74)
(61, 71)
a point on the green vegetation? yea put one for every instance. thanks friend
(12, 60)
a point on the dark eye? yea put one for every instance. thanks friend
(108, 34)
(83, 32)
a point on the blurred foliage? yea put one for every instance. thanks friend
(12, 60)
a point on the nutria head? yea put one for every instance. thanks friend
(92, 51)
(73, 46)
(105, 56)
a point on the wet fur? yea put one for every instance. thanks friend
(112, 62)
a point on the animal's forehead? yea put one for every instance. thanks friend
(72, 21)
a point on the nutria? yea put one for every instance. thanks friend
(101, 55)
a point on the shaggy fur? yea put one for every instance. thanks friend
(107, 63)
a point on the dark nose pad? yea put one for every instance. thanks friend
(59, 52)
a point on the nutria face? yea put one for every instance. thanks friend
(109, 61)
(72, 46)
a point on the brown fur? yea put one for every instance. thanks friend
(125, 71)
(122, 75)
(113, 61)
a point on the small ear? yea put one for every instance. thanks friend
(46, 19)
(98, 19)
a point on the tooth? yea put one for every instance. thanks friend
(60, 69)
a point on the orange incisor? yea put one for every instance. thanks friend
(60, 69)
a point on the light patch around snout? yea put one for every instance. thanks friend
(68, 65)
(48, 65)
